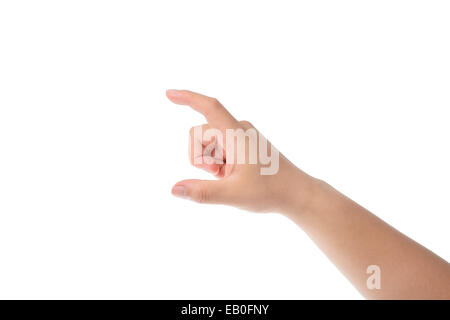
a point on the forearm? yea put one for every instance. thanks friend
(354, 239)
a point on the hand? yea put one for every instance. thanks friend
(255, 186)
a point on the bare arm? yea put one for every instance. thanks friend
(354, 239)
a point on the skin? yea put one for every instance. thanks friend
(351, 236)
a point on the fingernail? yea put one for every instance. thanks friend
(173, 92)
(179, 191)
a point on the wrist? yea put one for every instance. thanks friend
(300, 195)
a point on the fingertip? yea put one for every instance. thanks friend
(170, 93)
(176, 96)
(179, 191)
(210, 165)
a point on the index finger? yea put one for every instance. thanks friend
(214, 112)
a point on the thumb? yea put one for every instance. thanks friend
(202, 191)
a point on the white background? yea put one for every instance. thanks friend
(353, 92)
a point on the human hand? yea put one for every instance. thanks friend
(229, 149)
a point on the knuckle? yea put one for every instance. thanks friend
(213, 106)
(246, 124)
(215, 102)
(200, 195)
(195, 131)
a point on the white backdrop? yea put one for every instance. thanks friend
(353, 92)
